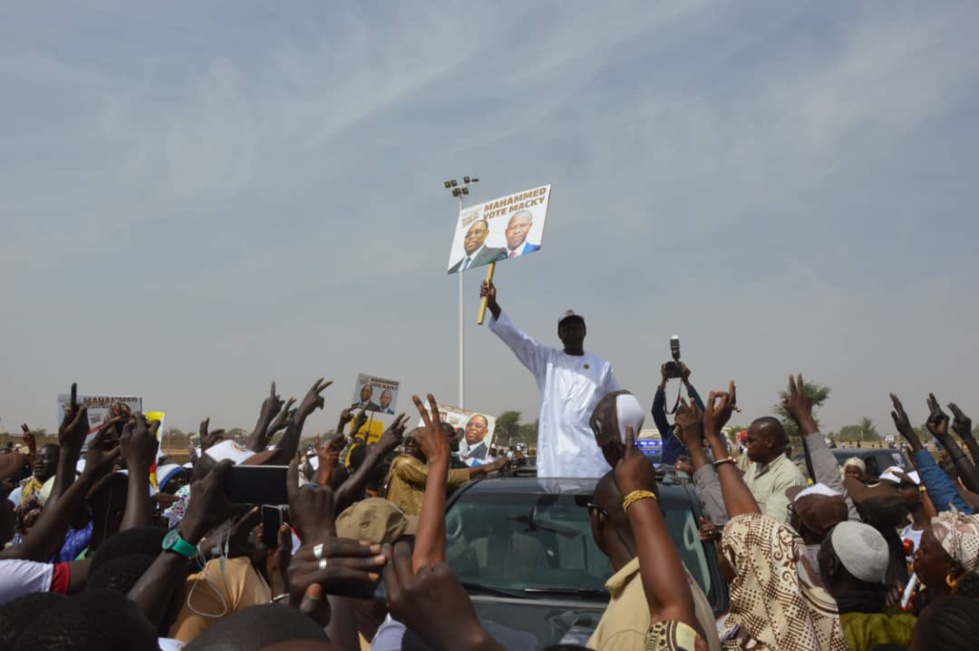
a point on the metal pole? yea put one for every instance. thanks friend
(462, 336)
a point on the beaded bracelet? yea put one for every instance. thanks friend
(635, 496)
(723, 461)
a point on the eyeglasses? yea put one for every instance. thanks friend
(591, 506)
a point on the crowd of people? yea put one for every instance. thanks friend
(108, 546)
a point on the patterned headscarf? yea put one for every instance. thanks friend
(772, 599)
(175, 513)
(958, 534)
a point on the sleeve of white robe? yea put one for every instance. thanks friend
(530, 353)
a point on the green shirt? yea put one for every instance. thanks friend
(864, 631)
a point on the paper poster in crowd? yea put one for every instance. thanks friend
(475, 429)
(501, 229)
(99, 409)
(375, 394)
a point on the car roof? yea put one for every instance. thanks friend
(668, 491)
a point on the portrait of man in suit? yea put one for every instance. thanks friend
(386, 402)
(516, 234)
(477, 253)
(477, 427)
(366, 391)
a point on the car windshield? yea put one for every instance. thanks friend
(542, 542)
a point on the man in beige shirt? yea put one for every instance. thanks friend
(770, 472)
(626, 619)
(408, 473)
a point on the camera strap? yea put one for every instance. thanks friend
(677, 403)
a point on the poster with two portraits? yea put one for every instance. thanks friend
(502, 229)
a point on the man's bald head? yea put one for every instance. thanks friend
(765, 439)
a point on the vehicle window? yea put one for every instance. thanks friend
(518, 542)
(544, 541)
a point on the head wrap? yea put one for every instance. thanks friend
(612, 414)
(819, 507)
(862, 550)
(958, 534)
(772, 598)
(166, 473)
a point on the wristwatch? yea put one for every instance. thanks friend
(172, 542)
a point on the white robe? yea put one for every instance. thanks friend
(570, 387)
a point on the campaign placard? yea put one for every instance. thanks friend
(502, 229)
(475, 430)
(100, 409)
(375, 394)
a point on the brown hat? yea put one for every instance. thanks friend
(376, 520)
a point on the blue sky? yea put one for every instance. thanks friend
(199, 197)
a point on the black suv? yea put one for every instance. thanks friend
(523, 548)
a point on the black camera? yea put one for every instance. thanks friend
(673, 366)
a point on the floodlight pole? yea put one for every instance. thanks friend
(460, 190)
(462, 334)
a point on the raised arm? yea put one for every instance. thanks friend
(527, 350)
(938, 426)
(48, 534)
(350, 490)
(71, 438)
(962, 425)
(704, 477)
(208, 507)
(271, 406)
(825, 469)
(138, 444)
(737, 497)
(659, 406)
(430, 539)
(939, 485)
(289, 443)
(664, 581)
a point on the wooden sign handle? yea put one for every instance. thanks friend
(490, 268)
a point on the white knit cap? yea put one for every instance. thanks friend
(862, 550)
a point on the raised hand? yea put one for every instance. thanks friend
(937, 422)
(345, 417)
(98, 460)
(271, 405)
(684, 373)
(961, 424)
(311, 509)
(633, 472)
(687, 424)
(394, 434)
(208, 438)
(281, 421)
(719, 408)
(903, 424)
(359, 421)
(208, 506)
(312, 400)
(138, 444)
(488, 289)
(430, 437)
(73, 430)
(432, 603)
(797, 403)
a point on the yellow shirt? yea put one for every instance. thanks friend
(406, 483)
(220, 595)
(625, 622)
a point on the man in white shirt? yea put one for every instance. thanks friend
(571, 383)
